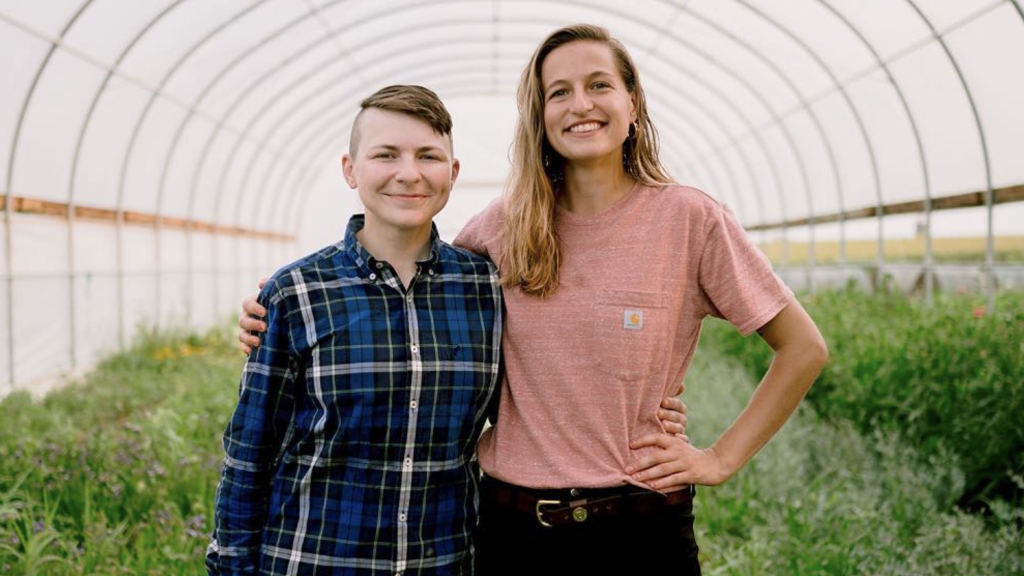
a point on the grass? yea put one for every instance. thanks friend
(822, 499)
(947, 379)
(116, 475)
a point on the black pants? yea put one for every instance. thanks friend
(509, 541)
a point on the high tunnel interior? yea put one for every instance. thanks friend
(161, 156)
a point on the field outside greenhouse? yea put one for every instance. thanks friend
(907, 458)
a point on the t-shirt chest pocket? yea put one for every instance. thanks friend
(629, 331)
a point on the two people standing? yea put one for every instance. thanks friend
(607, 269)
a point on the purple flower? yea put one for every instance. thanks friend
(39, 526)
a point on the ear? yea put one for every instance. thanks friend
(348, 169)
(455, 170)
(632, 107)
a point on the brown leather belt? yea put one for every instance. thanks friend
(569, 507)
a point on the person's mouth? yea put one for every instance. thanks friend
(584, 127)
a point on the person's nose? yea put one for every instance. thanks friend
(581, 103)
(408, 171)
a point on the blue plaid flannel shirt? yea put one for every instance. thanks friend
(352, 449)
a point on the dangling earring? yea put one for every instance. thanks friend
(628, 147)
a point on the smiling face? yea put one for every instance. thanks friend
(403, 170)
(587, 107)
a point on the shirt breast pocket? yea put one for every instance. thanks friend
(629, 332)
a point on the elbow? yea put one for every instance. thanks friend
(816, 352)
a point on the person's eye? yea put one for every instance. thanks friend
(600, 85)
(384, 155)
(558, 93)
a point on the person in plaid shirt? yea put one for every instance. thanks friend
(352, 447)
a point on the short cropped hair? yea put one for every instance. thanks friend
(416, 101)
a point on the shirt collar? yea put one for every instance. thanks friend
(366, 261)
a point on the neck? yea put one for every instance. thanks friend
(590, 189)
(400, 247)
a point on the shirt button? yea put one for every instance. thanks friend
(379, 265)
(373, 276)
(413, 404)
(401, 517)
(408, 462)
(415, 349)
(431, 271)
(409, 298)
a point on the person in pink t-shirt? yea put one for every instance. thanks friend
(608, 269)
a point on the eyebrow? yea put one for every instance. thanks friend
(421, 149)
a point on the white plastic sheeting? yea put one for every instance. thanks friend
(159, 156)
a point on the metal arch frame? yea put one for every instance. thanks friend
(939, 36)
(170, 155)
(778, 120)
(220, 188)
(74, 168)
(270, 102)
(129, 149)
(196, 102)
(841, 88)
(300, 126)
(316, 141)
(309, 175)
(929, 261)
(645, 23)
(262, 144)
(770, 163)
(678, 8)
(989, 240)
(242, 136)
(241, 57)
(332, 121)
(8, 204)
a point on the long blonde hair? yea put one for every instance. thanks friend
(531, 256)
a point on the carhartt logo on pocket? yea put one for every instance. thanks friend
(633, 319)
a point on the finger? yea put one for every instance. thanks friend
(660, 440)
(682, 388)
(683, 437)
(673, 427)
(655, 473)
(649, 461)
(248, 340)
(263, 282)
(671, 416)
(684, 478)
(252, 307)
(254, 324)
(673, 403)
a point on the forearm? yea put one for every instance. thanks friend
(790, 376)
(240, 516)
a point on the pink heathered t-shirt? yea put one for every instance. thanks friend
(587, 368)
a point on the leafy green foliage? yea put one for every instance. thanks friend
(949, 378)
(822, 499)
(116, 475)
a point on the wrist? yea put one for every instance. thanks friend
(727, 465)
